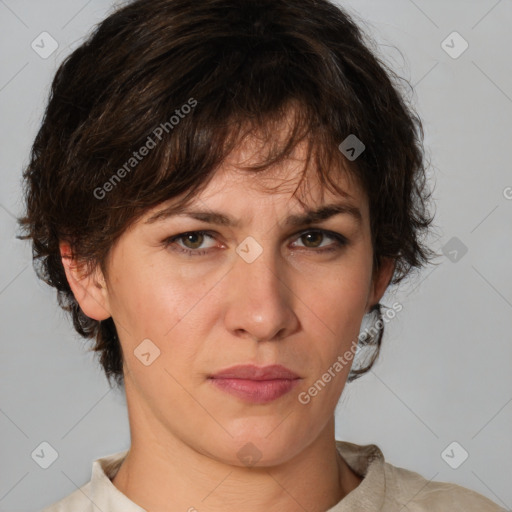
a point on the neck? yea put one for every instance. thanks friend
(167, 470)
(154, 475)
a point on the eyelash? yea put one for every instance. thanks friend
(340, 241)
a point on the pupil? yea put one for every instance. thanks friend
(190, 238)
(310, 236)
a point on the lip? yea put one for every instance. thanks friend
(255, 384)
(253, 372)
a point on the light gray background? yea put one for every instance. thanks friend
(444, 374)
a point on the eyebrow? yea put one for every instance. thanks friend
(308, 217)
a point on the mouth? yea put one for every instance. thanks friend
(255, 384)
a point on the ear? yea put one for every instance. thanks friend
(90, 291)
(380, 281)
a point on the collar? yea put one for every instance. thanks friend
(365, 460)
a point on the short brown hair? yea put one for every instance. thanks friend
(238, 66)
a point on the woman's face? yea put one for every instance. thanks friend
(259, 287)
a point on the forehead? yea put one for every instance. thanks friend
(296, 172)
(290, 177)
(289, 189)
(295, 175)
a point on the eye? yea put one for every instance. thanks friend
(191, 242)
(313, 239)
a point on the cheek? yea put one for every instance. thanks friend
(332, 322)
(170, 310)
(340, 294)
(151, 299)
(335, 304)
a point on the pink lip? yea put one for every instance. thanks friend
(256, 384)
(252, 372)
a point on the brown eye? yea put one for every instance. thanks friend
(190, 243)
(193, 240)
(312, 238)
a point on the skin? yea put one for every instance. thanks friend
(293, 305)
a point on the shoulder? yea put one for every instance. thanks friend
(98, 493)
(77, 501)
(390, 488)
(415, 493)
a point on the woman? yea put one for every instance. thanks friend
(220, 192)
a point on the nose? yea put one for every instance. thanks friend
(260, 298)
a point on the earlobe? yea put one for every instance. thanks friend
(89, 290)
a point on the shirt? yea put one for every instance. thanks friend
(384, 488)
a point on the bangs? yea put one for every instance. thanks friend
(274, 137)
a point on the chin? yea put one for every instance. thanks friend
(252, 448)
